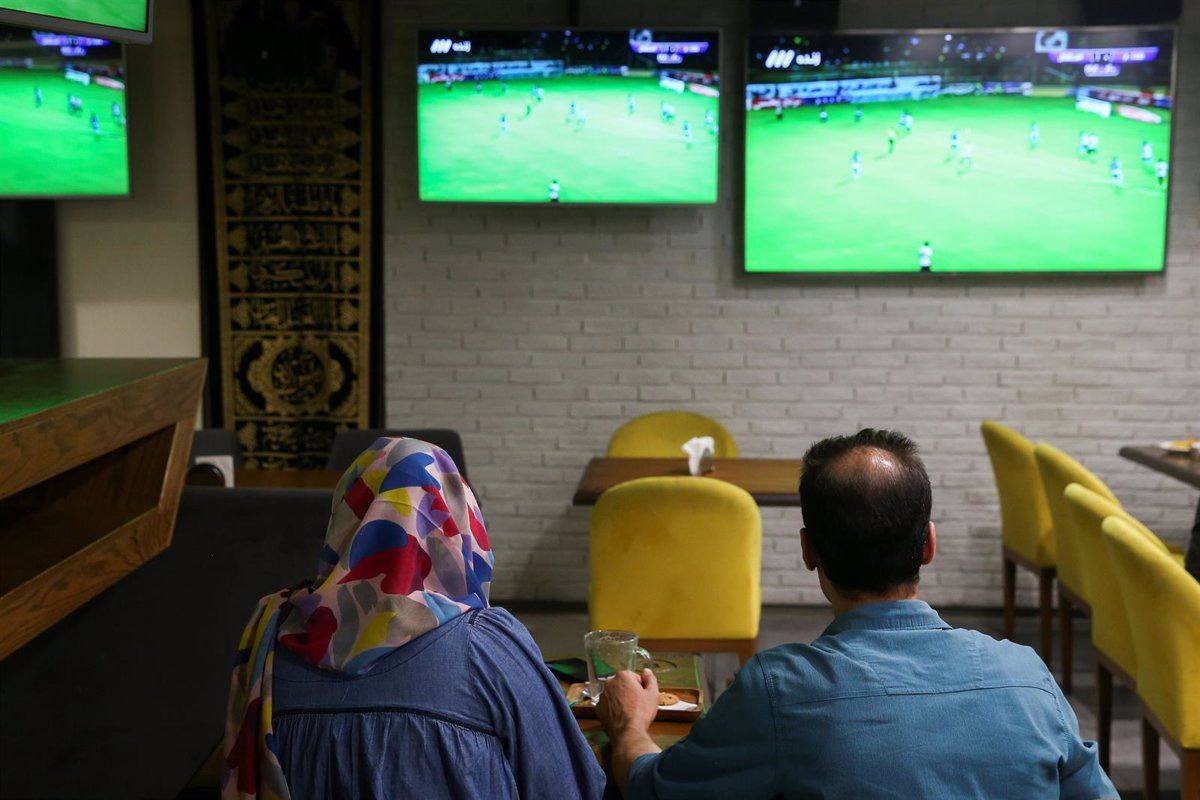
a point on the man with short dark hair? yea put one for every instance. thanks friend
(890, 701)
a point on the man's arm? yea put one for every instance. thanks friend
(1080, 774)
(730, 752)
(627, 707)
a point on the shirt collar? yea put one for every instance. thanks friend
(892, 615)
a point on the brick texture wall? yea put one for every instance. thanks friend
(537, 331)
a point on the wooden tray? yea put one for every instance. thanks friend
(583, 707)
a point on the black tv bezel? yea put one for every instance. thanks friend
(29, 19)
(739, 215)
(128, 193)
(416, 127)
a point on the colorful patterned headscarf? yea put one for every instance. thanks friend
(405, 551)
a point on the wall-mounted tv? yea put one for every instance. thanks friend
(958, 151)
(118, 20)
(62, 116)
(558, 115)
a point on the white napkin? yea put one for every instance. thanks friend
(696, 448)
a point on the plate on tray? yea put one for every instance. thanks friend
(675, 705)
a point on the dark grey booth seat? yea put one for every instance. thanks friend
(126, 697)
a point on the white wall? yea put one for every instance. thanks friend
(129, 275)
(537, 331)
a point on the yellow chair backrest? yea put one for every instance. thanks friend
(1024, 516)
(1058, 470)
(662, 434)
(1163, 603)
(1110, 623)
(676, 558)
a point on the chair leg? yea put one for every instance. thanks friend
(1104, 703)
(746, 651)
(1189, 774)
(1065, 647)
(1149, 761)
(1046, 615)
(1010, 599)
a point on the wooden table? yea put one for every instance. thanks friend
(771, 481)
(663, 733)
(285, 479)
(1180, 466)
(92, 459)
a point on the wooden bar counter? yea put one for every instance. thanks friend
(93, 454)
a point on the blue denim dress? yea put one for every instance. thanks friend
(467, 710)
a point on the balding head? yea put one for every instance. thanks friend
(866, 502)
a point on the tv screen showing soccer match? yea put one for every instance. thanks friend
(568, 116)
(958, 151)
(123, 20)
(62, 116)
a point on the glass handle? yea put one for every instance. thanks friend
(643, 654)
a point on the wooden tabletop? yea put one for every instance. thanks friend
(1180, 466)
(285, 479)
(771, 481)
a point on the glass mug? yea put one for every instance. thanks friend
(606, 653)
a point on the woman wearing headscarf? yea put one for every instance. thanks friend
(390, 676)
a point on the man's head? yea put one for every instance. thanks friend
(866, 501)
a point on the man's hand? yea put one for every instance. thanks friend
(627, 706)
(629, 703)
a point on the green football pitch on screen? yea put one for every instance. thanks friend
(501, 144)
(125, 14)
(51, 150)
(1013, 206)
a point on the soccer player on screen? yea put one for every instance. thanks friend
(710, 121)
(504, 123)
(968, 158)
(1033, 135)
(858, 115)
(553, 190)
(823, 116)
(37, 96)
(528, 109)
(925, 257)
(855, 165)
(891, 140)
(630, 103)
(116, 110)
(571, 109)
(1083, 144)
(478, 86)
(1160, 172)
(503, 88)
(954, 139)
(580, 119)
(779, 111)
(1147, 153)
(1114, 168)
(687, 133)
(95, 122)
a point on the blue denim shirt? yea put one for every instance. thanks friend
(467, 710)
(890, 702)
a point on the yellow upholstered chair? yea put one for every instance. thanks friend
(1163, 604)
(1111, 635)
(678, 560)
(1024, 526)
(1058, 470)
(662, 434)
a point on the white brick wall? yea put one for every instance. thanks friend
(537, 331)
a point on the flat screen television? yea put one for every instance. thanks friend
(558, 115)
(62, 116)
(117, 20)
(958, 151)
